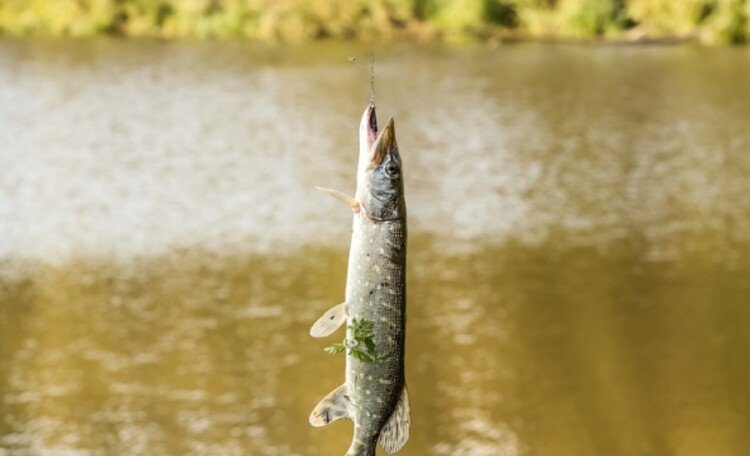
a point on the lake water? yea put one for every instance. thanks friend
(579, 257)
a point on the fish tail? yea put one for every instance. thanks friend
(359, 448)
(364, 441)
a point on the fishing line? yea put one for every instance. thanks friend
(372, 75)
(372, 57)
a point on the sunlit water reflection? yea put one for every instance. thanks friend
(578, 253)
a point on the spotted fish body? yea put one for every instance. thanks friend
(374, 394)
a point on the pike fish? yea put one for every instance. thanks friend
(374, 393)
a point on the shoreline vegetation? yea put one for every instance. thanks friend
(700, 21)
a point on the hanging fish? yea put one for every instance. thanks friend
(374, 394)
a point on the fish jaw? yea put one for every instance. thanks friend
(368, 133)
(368, 129)
(385, 146)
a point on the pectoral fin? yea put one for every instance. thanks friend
(341, 196)
(333, 407)
(330, 321)
(395, 433)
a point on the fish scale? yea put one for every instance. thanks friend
(377, 294)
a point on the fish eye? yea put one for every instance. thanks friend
(391, 168)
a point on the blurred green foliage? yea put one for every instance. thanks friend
(708, 21)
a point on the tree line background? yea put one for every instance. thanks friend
(705, 21)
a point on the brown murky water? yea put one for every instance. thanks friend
(579, 276)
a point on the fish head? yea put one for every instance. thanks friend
(380, 188)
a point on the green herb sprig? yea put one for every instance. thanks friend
(361, 345)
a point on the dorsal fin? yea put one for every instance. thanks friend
(396, 431)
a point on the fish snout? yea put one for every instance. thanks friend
(385, 144)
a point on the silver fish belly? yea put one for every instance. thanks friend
(374, 394)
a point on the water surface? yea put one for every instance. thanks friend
(578, 260)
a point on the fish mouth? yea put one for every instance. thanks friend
(385, 143)
(368, 134)
(369, 127)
